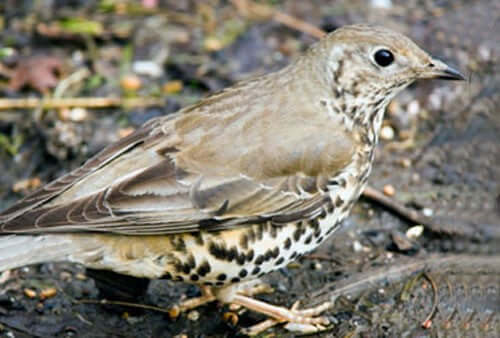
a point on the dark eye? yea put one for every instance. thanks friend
(383, 57)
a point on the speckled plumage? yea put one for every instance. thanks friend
(236, 186)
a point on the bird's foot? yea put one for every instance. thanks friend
(303, 321)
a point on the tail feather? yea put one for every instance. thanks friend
(21, 250)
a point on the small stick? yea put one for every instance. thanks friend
(393, 205)
(119, 303)
(263, 11)
(84, 102)
(428, 321)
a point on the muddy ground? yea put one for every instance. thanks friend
(440, 153)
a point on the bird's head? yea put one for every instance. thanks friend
(372, 60)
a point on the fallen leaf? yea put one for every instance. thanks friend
(38, 72)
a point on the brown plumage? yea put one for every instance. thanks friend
(235, 186)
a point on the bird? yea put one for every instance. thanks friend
(237, 185)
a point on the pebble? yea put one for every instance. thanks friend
(230, 317)
(81, 276)
(148, 68)
(48, 293)
(30, 293)
(193, 315)
(173, 87)
(415, 231)
(405, 162)
(387, 133)
(413, 108)
(415, 178)
(130, 82)
(382, 4)
(212, 44)
(77, 114)
(389, 190)
(427, 212)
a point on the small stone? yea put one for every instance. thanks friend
(147, 68)
(131, 82)
(389, 190)
(212, 44)
(173, 87)
(193, 315)
(27, 184)
(48, 293)
(358, 247)
(80, 276)
(65, 276)
(231, 318)
(415, 231)
(427, 212)
(124, 132)
(413, 108)
(30, 293)
(401, 240)
(387, 133)
(77, 114)
(174, 312)
(415, 178)
(382, 4)
(405, 162)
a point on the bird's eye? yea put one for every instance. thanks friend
(383, 57)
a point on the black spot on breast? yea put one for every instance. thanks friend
(293, 255)
(259, 260)
(250, 255)
(268, 255)
(178, 266)
(235, 280)
(297, 233)
(167, 276)
(243, 273)
(256, 270)
(186, 268)
(217, 251)
(178, 243)
(204, 268)
(221, 277)
(219, 283)
(208, 283)
(276, 252)
(241, 259)
(317, 233)
(288, 243)
(308, 239)
(194, 277)
(279, 261)
(232, 253)
(319, 240)
(179, 278)
(339, 202)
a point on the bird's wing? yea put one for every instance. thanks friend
(191, 172)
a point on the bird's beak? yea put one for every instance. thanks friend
(439, 70)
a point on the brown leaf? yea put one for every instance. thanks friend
(38, 72)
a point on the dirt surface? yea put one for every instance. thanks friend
(443, 160)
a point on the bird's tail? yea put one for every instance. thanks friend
(21, 250)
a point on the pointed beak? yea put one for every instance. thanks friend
(439, 70)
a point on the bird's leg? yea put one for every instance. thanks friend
(206, 297)
(305, 321)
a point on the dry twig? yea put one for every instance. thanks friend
(84, 102)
